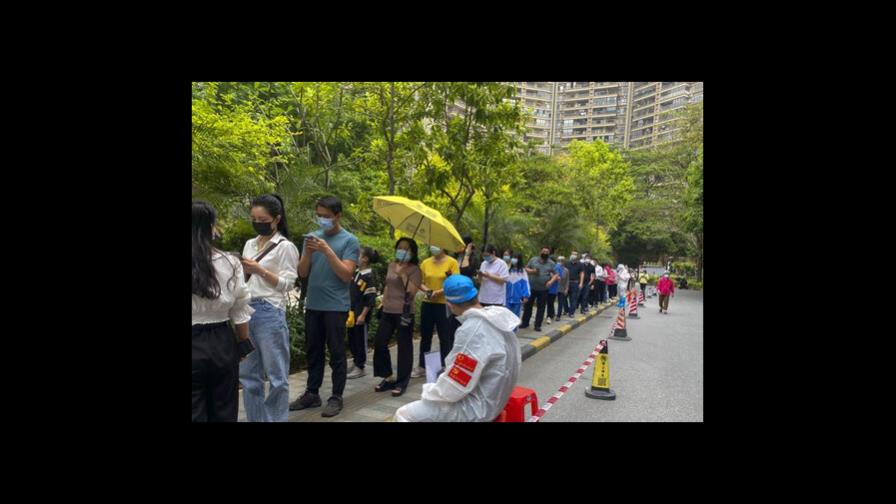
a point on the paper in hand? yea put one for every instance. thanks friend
(433, 361)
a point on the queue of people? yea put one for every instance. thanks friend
(474, 302)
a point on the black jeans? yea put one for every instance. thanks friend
(552, 298)
(601, 292)
(382, 359)
(612, 289)
(573, 299)
(562, 305)
(536, 296)
(325, 327)
(216, 373)
(357, 341)
(434, 315)
(582, 302)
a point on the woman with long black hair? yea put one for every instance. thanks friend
(220, 296)
(271, 260)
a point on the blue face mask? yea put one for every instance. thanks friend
(488, 258)
(506, 258)
(434, 250)
(402, 255)
(513, 261)
(325, 223)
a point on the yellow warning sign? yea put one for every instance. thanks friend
(601, 377)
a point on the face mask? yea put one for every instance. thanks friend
(544, 256)
(434, 250)
(263, 228)
(574, 258)
(506, 258)
(513, 261)
(325, 223)
(488, 258)
(402, 255)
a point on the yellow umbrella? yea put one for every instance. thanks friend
(418, 220)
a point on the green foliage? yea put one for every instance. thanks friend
(457, 147)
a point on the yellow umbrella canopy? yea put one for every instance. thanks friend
(414, 218)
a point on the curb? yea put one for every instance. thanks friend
(530, 349)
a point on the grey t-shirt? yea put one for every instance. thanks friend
(326, 292)
(538, 280)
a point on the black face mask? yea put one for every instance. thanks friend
(263, 228)
(544, 256)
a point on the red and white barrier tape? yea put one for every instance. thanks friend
(569, 383)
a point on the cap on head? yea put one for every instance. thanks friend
(459, 288)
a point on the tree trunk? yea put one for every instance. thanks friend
(485, 224)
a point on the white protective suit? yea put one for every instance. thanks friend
(486, 343)
(623, 277)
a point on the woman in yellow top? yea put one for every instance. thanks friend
(433, 313)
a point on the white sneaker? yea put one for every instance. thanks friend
(356, 373)
(418, 372)
(548, 321)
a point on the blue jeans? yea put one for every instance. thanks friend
(270, 335)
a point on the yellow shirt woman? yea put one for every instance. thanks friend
(435, 273)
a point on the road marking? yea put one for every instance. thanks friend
(541, 342)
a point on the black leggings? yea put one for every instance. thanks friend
(382, 359)
(434, 315)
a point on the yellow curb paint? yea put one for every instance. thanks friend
(565, 329)
(541, 342)
(580, 319)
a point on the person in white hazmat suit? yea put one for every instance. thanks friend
(623, 279)
(482, 367)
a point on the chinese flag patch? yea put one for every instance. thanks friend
(459, 375)
(466, 362)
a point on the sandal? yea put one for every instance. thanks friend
(384, 385)
(397, 389)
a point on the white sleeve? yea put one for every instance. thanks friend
(458, 380)
(240, 312)
(504, 273)
(288, 262)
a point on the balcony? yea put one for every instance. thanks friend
(565, 97)
(604, 111)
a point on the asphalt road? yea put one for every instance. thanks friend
(657, 377)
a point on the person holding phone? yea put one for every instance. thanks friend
(403, 280)
(220, 296)
(433, 314)
(468, 260)
(270, 261)
(329, 259)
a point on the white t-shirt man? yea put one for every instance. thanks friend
(490, 291)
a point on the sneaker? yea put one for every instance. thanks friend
(548, 321)
(357, 372)
(307, 400)
(418, 372)
(557, 319)
(334, 406)
(523, 327)
(538, 329)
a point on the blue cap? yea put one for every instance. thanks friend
(459, 288)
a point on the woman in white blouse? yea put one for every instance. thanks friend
(272, 260)
(219, 295)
